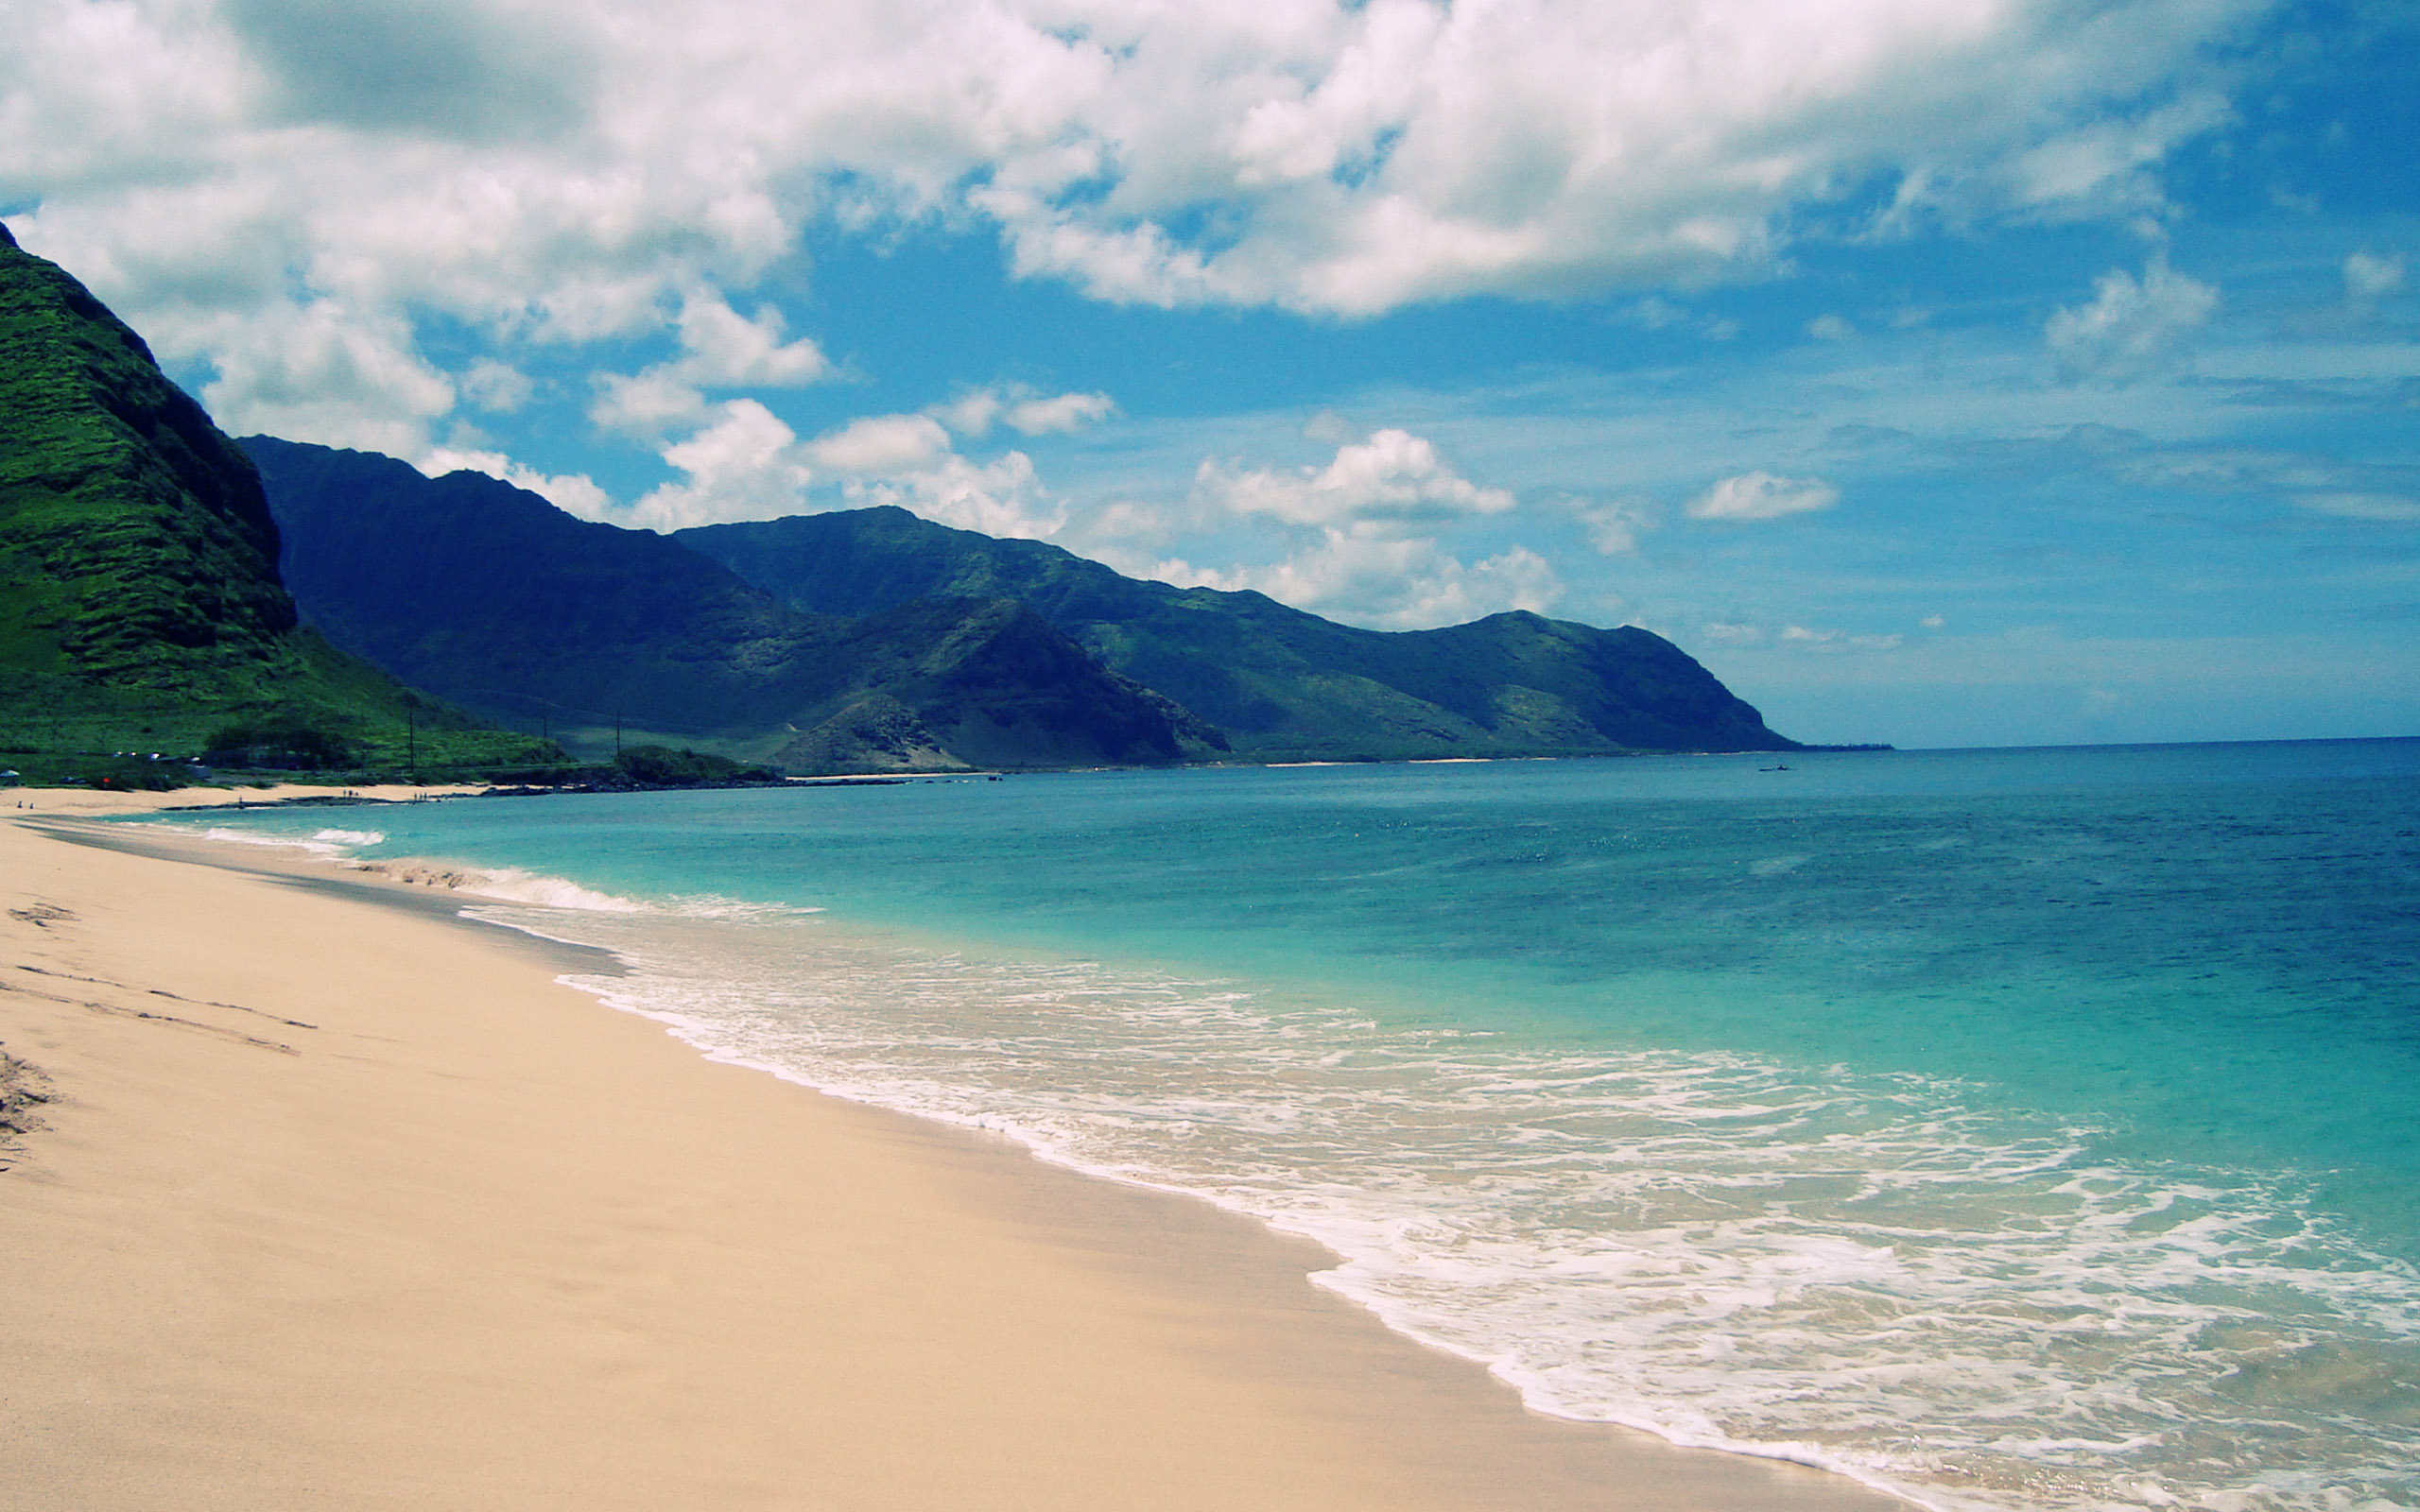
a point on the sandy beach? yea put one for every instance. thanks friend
(337, 1201)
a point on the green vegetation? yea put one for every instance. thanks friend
(663, 766)
(1283, 684)
(140, 605)
(493, 597)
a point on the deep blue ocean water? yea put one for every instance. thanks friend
(2020, 1129)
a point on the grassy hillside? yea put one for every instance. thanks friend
(140, 607)
(1282, 684)
(496, 598)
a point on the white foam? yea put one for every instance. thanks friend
(512, 885)
(502, 883)
(328, 844)
(1715, 1248)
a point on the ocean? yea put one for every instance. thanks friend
(2030, 1130)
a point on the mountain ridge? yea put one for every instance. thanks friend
(492, 596)
(1282, 682)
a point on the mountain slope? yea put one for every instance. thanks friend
(497, 599)
(139, 598)
(136, 546)
(1280, 681)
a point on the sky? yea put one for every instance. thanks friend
(1943, 373)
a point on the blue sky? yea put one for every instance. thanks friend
(1938, 371)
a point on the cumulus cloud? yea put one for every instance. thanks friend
(568, 171)
(320, 372)
(1371, 577)
(908, 460)
(1391, 476)
(1359, 533)
(465, 70)
(1002, 497)
(1762, 496)
(722, 349)
(726, 350)
(881, 445)
(2133, 327)
(740, 461)
(744, 465)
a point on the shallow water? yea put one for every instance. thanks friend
(2022, 1129)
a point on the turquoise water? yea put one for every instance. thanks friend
(2020, 1129)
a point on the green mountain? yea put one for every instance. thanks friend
(140, 606)
(1282, 684)
(494, 598)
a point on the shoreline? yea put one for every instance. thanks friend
(997, 1330)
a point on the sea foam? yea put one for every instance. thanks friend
(1867, 1274)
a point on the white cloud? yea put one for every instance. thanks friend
(2369, 276)
(574, 494)
(907, 460)
(881, 445)
(1614, 525)
(740, 461)
(495, 387)
(1373, 579)
(729, 350)
(2106, 167)
(573, 170)
(745, 465)
(970, 413)
(320, 371)
(1798, 637)
(721, 350)
(1830, 328)
(2131, 328)
(1022, 410)
(1762, 496)
(1059, 415)
(1391, 476)
(1002, 497)
(646, 403)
